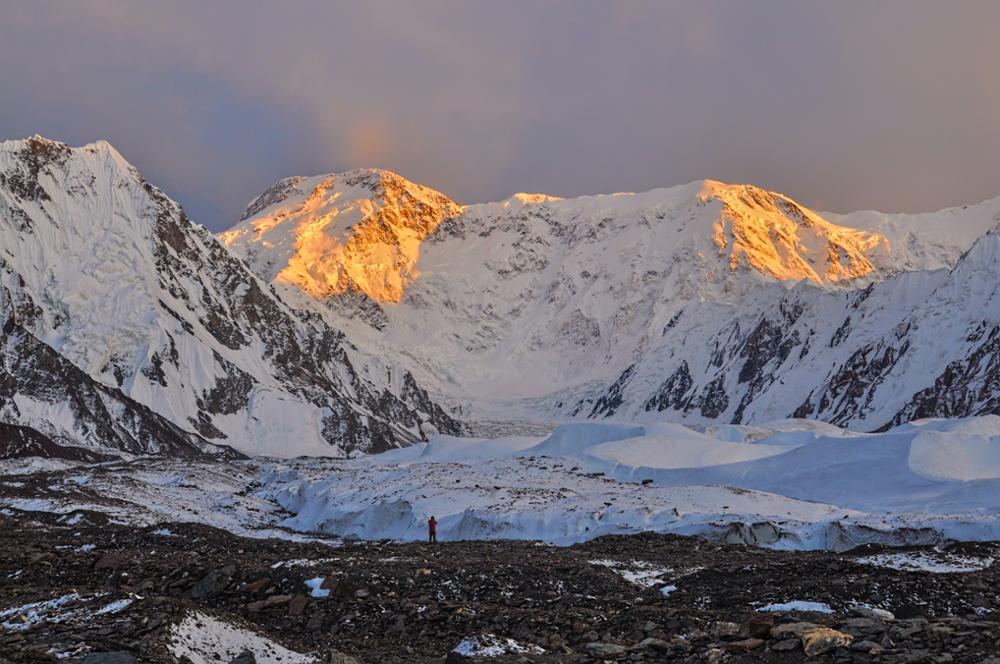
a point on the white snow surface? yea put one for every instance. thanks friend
(797, 605)
(156, 491)
(666, 304)
(536, 308)
(813, 490)
(817, 488)
(205, 639)
(514, 298)
(143, 300)
(491, 645)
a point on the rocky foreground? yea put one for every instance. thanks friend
(80, 589)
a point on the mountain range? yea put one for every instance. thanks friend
(356, 312)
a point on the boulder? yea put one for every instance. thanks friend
(744, 645)
(867, 647)
(787, 645)
(606, 650)
(791, 629)
(298, 605)
(337, 657)
(115, 657)
(759, 625)
(257, 586)
(820, 640)
(724, 630)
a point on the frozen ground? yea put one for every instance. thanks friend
(789, 484)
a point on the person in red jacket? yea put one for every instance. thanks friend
(432, 530)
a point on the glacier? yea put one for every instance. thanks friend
(786, 485)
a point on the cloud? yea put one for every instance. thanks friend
(891, 105)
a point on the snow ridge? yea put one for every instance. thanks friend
(704, 302)
(358, 312)
(102, 268)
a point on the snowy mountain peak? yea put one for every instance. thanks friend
(534, 294)
(36, 169)
(782, 239)
(672, 303)
(40, 145)
(353, 232)
(362, 232)
(523, 198)
(104, 273)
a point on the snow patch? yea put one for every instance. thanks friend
(114, 607)
(636, 572)
(798, 605)
(491, 645)
(921, 561)
(26, 616)
(315, 588)
(205, 639)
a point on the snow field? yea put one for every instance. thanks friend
(205, 639)
(795, 485)
(816, 487)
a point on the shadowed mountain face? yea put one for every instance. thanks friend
(46, 392)
(102, 271)
(21, 442)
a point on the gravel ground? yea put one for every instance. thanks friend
(644, 598)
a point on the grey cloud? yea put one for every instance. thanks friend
(891, 105)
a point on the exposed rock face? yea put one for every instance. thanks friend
(108, 276)
(22, 442)
(68, 412)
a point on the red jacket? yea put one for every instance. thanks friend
(432, 525)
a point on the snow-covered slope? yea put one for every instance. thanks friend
(346, 307)
(787, 484)
(793, 484)
(929, 240)
(102, 268)
(517, 298)
(50, 408)
(335, 234)
(706, 301)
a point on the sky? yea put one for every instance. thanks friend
(891, 105)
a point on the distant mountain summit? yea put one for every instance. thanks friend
(102, 272)
(703, 302)
(354, 232)
(362, 231)
(357, 312)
